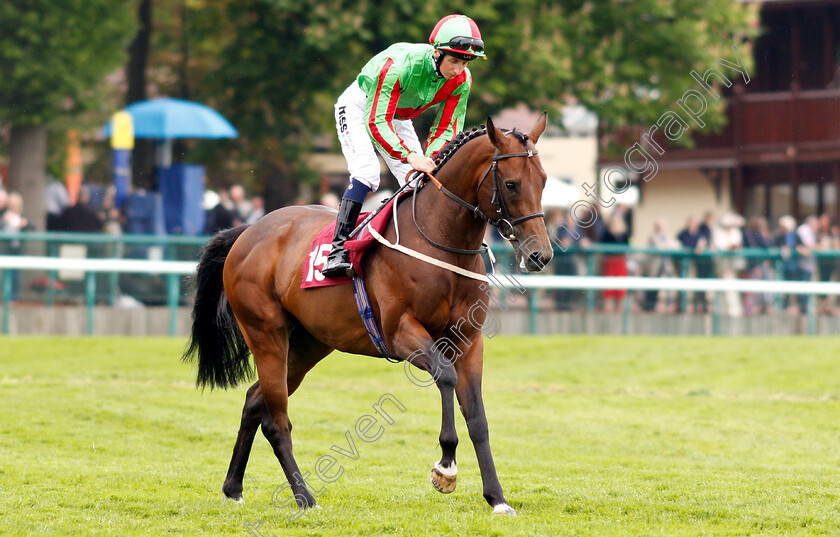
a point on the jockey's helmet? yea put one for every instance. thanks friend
(458, 35)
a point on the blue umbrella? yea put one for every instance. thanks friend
(167, 119)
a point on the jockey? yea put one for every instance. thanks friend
(376, 110)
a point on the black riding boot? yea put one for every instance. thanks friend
(338, 262)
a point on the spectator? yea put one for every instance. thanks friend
(787, 240)
(595, 232)
(4, 202)
(330, 200)
(807, 235)
(14, 221)
(257, 210)
(729, 237)
(568, 235)
(705, 264)
(757, 236)
(82, 217)
(689, 238)
(615, 264)
(112, 222)
(658, 266)
(241, 206)
(219, 217)
(827, 240)
(57, 200)
(13, 218)
(831, 307)
(109, 214)
(625, 212)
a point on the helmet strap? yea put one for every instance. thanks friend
(438, 61)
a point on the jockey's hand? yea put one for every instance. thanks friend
(420, 162)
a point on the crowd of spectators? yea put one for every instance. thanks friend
(686, 252)
(94, 210)
(226, 208)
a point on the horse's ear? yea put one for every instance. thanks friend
(496, 136)
(538, 129)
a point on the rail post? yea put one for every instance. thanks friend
(7, 295)
(90, 298)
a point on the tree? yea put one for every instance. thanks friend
(138, 59)
(275, 67)
(53, 56)
(626, 61)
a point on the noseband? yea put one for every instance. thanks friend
(498, 201)
(504, 221)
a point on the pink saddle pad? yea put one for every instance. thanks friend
(316, 257)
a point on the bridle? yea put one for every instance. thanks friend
(504, 222)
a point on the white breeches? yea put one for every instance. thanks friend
(357, 146)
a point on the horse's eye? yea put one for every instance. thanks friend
(512, 186)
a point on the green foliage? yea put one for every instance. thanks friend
(591, 436)
(275, 67)
(630, 64)
(279, 65)
(626, 61)
(54, 53)
(282, 64)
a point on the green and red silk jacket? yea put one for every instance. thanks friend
(401, 83)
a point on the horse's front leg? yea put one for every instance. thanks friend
(415, 345)
(468, 389)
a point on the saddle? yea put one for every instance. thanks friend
(356, 246)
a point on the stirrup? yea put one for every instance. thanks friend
(338, 266)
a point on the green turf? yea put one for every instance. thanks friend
(591, 436)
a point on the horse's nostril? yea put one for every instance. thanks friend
(537, 260)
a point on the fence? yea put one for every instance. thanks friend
(174, 270)
(154, 268)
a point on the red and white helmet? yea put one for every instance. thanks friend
(459, 36)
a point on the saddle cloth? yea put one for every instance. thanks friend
(318, 251)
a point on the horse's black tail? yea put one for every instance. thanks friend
(216, 339)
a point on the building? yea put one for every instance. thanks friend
(780, 151)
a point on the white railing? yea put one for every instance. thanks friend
(91, 267)
(135, 266)
(634, 283)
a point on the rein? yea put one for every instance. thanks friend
(504, 217)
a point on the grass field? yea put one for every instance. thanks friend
(591, 436)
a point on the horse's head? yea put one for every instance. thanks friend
(511, 194)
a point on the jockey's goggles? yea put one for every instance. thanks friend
(464, 43)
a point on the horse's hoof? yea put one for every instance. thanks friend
(444, 479)
(233, 491)
(504, 509)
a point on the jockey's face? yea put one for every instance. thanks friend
(451, 66)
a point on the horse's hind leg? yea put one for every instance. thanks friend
(252, 414)
(304, 352)
(270, 348)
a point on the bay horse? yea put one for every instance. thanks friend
(248, 299)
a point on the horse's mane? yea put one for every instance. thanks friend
(463, 137)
